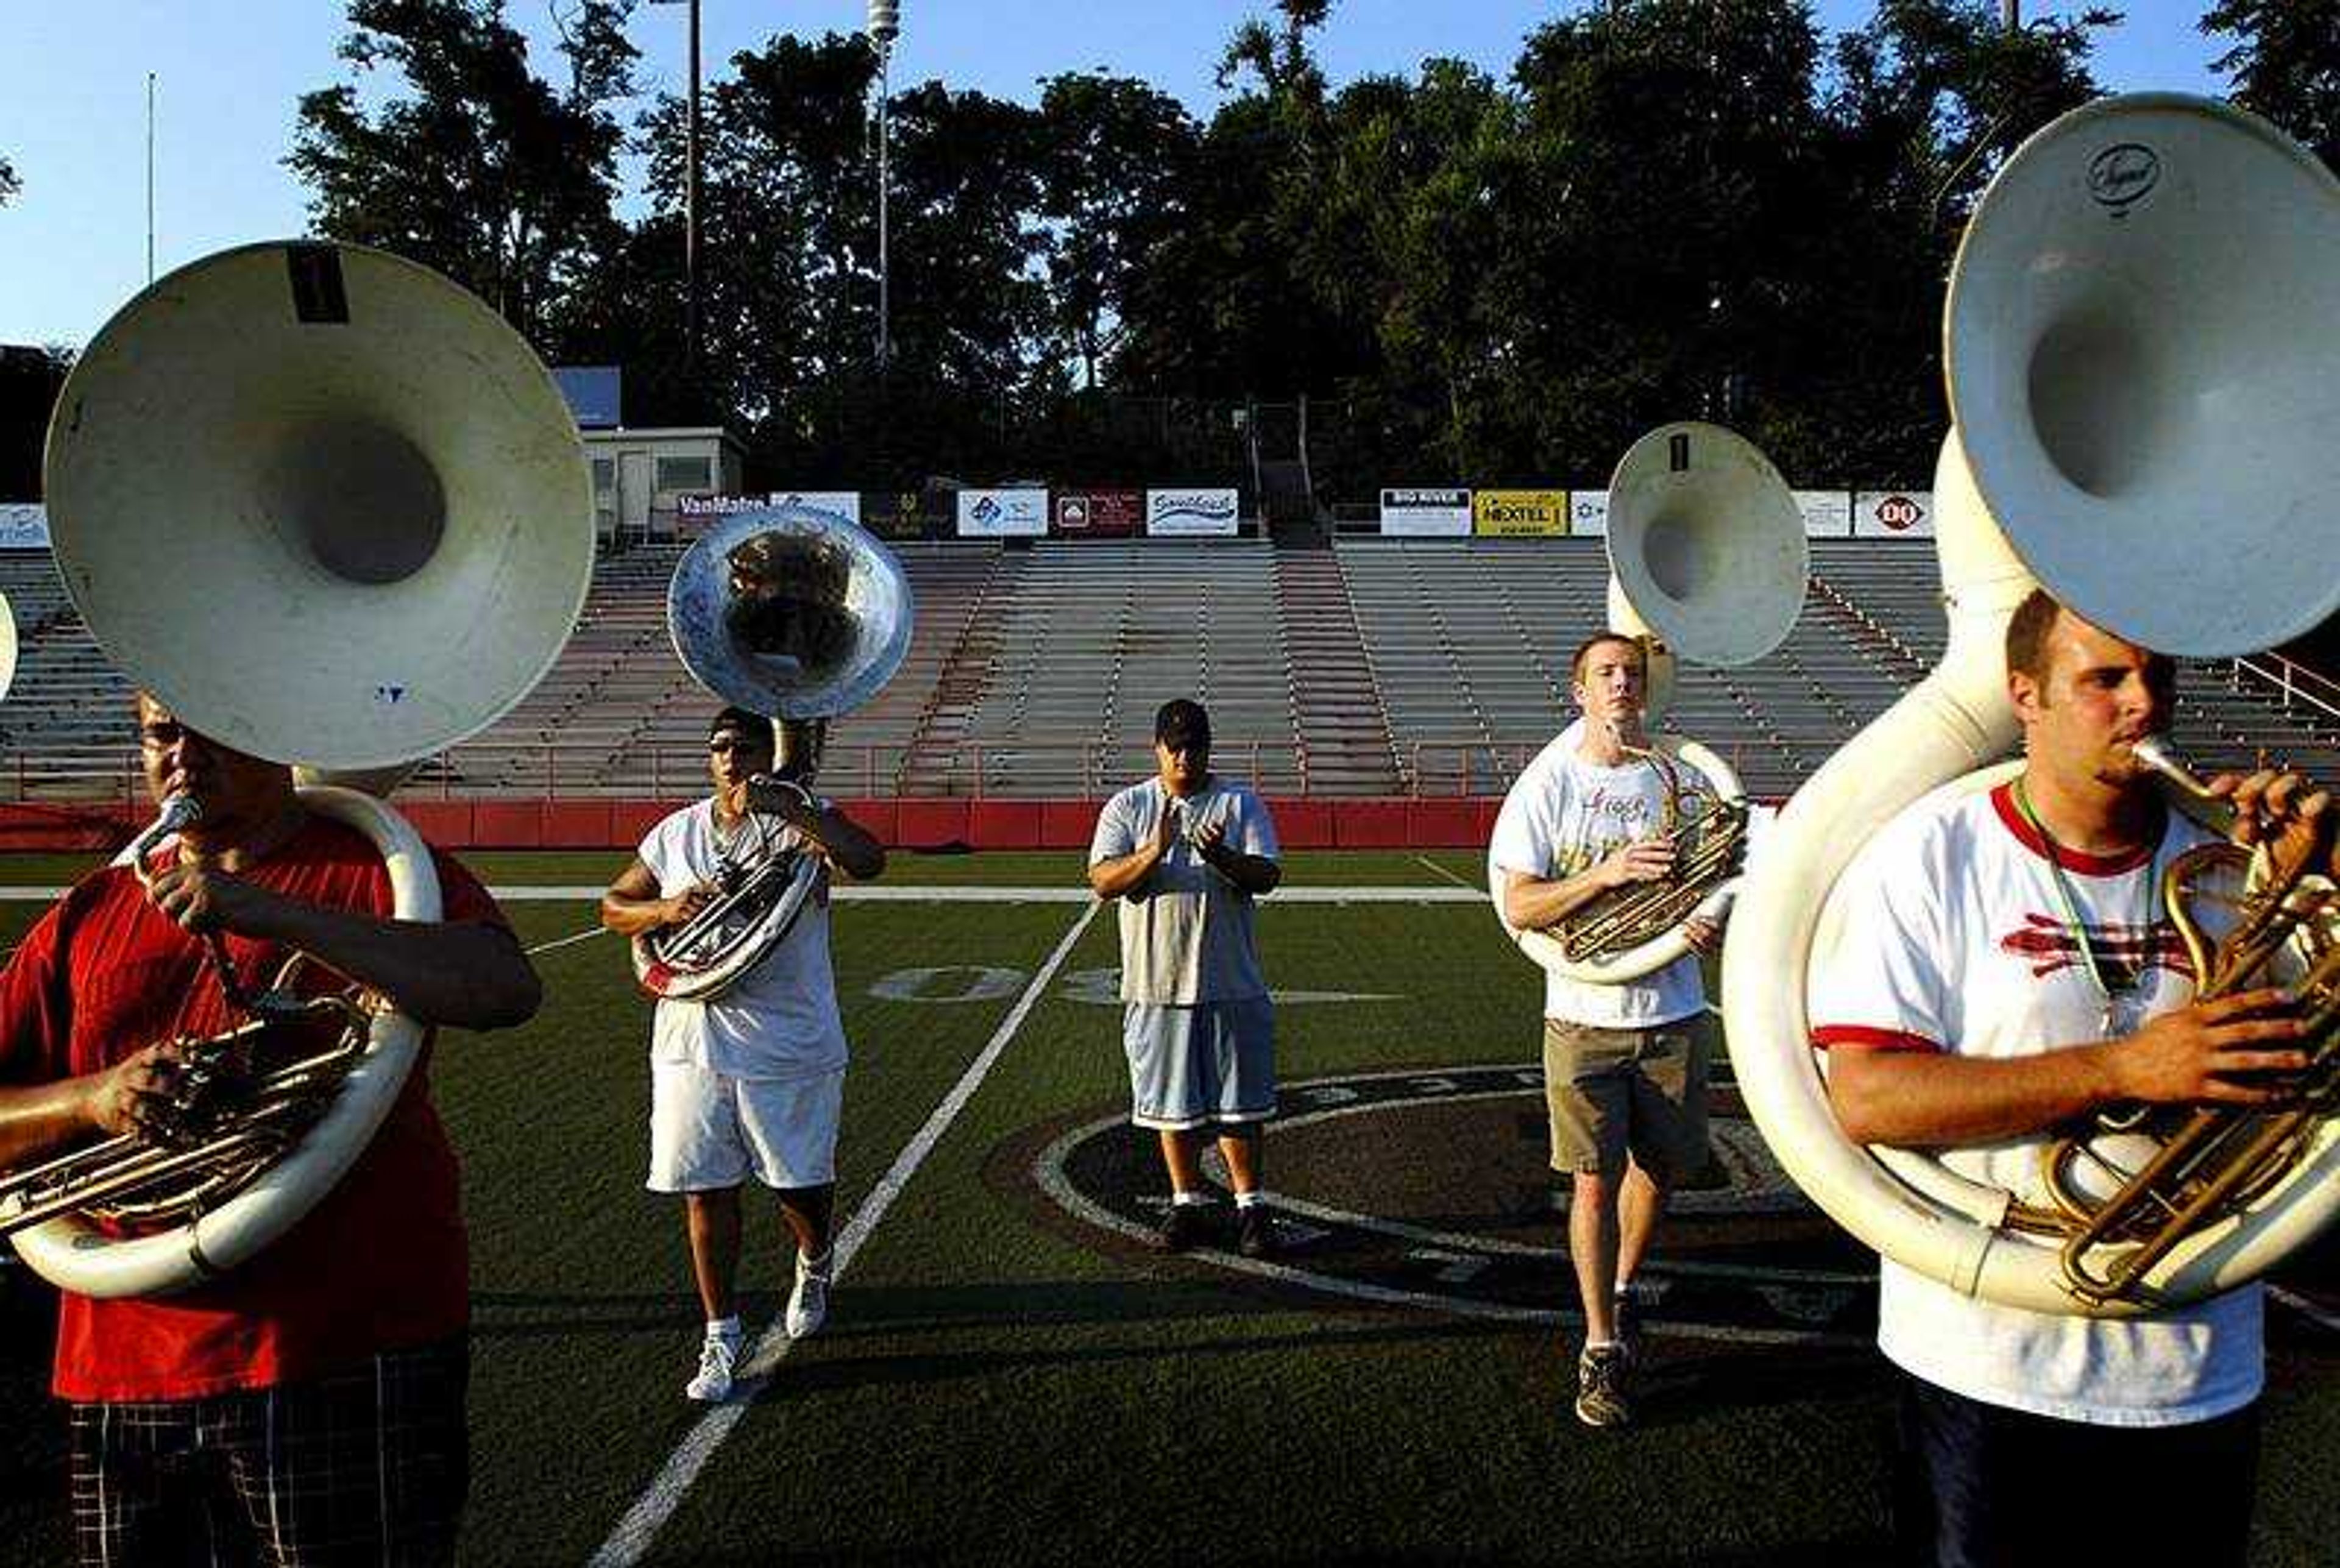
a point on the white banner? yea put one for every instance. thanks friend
(845, 503)
(998, 513)
(1828, 514)
(1426, 514)
(1588, 512)
(1176, 514)
(24, 525)
(1894, 514)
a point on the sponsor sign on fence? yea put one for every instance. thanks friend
(1828, 514)
(1587, 511)
(901, 514)
(1893, 514)
(1426, 514)
(1099, 513)
(1183, 514)
(845, 503)
(1002, 513)
(24, 526)
(1516, 511)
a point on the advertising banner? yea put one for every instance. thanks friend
(24, 525)
(901, 514)
(1099, 513)
(1828, 514)
(1186, 513)
(1426, 514)
(845, 503)
(1520, 512)
(1893, 514)
(1002, 513)
(1588, 512)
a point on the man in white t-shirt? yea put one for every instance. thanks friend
(752, 1081)
(1185, 853)
(2008, 968)
(1624, 1065)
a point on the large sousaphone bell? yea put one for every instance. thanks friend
(1708, 562)
(332, 510)
(798, 614)
(2144, 377)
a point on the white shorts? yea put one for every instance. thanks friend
(709, 1132)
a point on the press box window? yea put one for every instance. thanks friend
(684, 473)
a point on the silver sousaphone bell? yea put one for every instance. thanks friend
(800, 615)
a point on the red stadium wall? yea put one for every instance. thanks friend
(505, 823)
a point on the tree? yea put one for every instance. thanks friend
(481, 169)
(2286, 65)
(10, 186)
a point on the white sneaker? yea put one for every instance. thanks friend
(809, 1302)
(718, 1354)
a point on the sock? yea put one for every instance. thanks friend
(1251, 1199)
(1189, 1199)
(1593, 1344)
(811, 1264)
(723, 1327)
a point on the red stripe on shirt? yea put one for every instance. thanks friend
(1862, 1037)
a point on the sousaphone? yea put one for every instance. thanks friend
(1708, 562)
(796, 613)
(2145, 379)
(332, 510)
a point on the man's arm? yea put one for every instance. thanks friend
(465, 973)
(632, 904)
(1533, 903)
(1120, 874)
(1254, 874)
(1932, 1099)
(850, 847)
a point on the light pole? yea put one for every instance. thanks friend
(690, 204)
(884, 26)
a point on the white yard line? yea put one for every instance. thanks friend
(586, 935)
(2321, 1315)
(1437, 869)
(635, 1533)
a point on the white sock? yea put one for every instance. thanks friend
(1189, 1199)
(723, 1327)
(1600, 1344)
(1251, 1199)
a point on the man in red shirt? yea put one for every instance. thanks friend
(306, 1407)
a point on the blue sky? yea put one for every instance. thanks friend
(72, 97)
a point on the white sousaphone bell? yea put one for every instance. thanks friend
(332, 510)
(794, 612)
(1708, 562)
(2145, 379)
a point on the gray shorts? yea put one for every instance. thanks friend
(1614, 1092)
(1191, 1066)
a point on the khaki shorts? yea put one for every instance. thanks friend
(1614, 1092)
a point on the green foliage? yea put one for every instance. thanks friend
(2286, 65)
(10, 186)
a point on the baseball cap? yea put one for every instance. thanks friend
(1181, 723)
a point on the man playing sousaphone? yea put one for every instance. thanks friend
(2009, 967)
(258, 1411)
(1625, 1063)
(751, 1081)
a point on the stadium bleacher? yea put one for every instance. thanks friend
(1371, 667)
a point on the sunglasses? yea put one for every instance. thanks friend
(723, 743)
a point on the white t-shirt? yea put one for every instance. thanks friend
(1562, 814)
(780, 1018)
(1187, 930)
(1955, 939)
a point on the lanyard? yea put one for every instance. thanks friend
(2117, 1010)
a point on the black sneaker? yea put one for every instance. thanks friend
(1255, 1232)
(1183, 1226)
(1600, 1395)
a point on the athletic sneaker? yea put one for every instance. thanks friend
(718, 1354)
(809, 1302)
(1601, 1397)
(1184, 1224)
(1255, 1232)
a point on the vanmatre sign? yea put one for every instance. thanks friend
(1519, 511)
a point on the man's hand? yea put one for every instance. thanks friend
(1649, 861)
(684, 907)
(1704, 936)
(2282, 812)
(2196, 1052)
(136, 1095)
(204, 898)
(1166, 832)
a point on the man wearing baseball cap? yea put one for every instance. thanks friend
(1186, 854)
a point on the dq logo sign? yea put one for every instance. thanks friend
(1898, 512)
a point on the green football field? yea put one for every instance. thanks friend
(1010, 1375)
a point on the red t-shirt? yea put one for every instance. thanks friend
(378, 1265)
